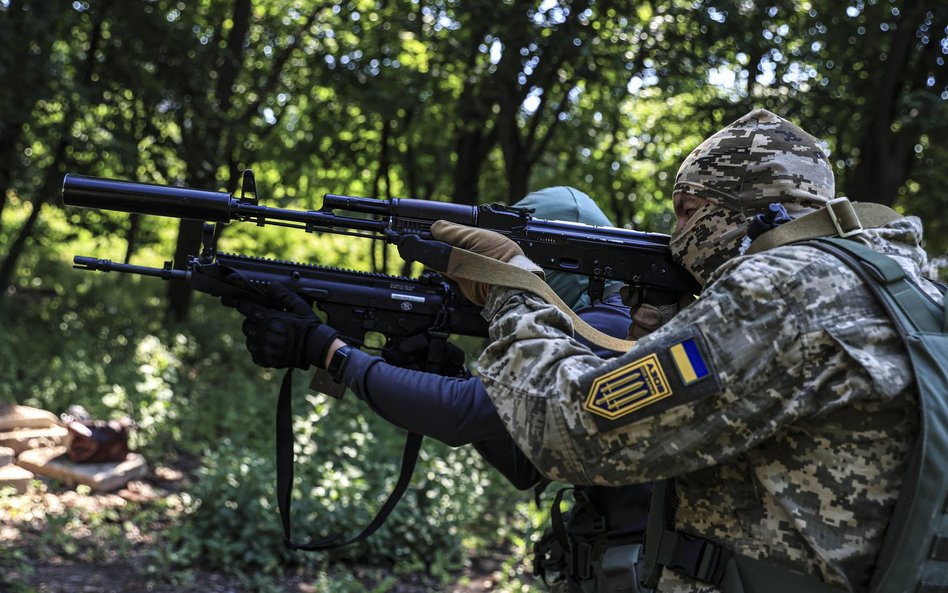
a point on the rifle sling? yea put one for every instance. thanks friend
(474, 266)
(840, 218)
(284, 471)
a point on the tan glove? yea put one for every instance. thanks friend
(647, 317)
(483, 242)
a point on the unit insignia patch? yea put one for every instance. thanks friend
(628, 388)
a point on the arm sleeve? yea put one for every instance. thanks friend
(507, 458)
(454, 411)
(640, 417)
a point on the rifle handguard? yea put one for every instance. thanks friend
(431, 253)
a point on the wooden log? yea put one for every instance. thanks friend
(33, 438)
(7, 456)
(16, 477)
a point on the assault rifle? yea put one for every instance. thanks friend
(639, 259)
(355, 303)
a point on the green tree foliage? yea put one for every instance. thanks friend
(469, 101)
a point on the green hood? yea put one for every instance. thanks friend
(568, 204)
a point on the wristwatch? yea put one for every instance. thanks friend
(338, 362)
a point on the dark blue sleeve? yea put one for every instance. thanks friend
(507, 458)
(459, 411)
(610, 317)
(454, 411)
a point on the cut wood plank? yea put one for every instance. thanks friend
(7, 456)
(16, 477)
(33, 438)
(101, 477)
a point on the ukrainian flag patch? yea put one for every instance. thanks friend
(689, 362)
(628, 388)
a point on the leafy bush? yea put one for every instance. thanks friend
(192, 388)
(102, 341)
(346, 464)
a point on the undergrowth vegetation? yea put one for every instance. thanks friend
(102, 341)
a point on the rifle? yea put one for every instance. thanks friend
(355, 303)
(639, 259)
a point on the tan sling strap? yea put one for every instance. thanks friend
(840, 218)
(455, 262)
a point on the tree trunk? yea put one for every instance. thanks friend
(179, 293)
(29, 48)
(51, 185)
(883, 164)
(131, 236)
(18, 246)
(518, 177)
(473, 136)
(8, 160)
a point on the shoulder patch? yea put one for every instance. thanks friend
(669, 371)
(628, 388)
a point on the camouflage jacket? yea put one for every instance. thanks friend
(782, 402)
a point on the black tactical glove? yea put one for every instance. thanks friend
(286, 335)
(415, 353)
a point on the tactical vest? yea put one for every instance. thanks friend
(914, 553)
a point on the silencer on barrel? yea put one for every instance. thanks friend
(145, 198)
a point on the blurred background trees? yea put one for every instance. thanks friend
(466, 101)
(472, 102)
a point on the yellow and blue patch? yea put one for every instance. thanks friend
(676, 370)
(689, 362)
(628, 388)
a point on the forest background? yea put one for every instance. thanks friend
(470, 102)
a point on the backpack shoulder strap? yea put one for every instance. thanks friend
(914, 555)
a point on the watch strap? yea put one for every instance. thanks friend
(338, 362)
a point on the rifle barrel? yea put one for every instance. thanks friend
(107, 265)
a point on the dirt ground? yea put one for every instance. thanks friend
(35, 559)
(121, 577)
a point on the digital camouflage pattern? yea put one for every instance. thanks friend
(759, 159)
(713, 236)
(792, 446)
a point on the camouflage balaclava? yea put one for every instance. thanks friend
(758, 160)
(568, 204)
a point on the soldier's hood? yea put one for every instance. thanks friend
(756, 160)
(902, 239)
(568, 204)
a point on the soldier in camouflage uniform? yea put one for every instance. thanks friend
(781, 402)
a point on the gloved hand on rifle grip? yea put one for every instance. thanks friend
(415, 353)
(483, 242)
(289, 334)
